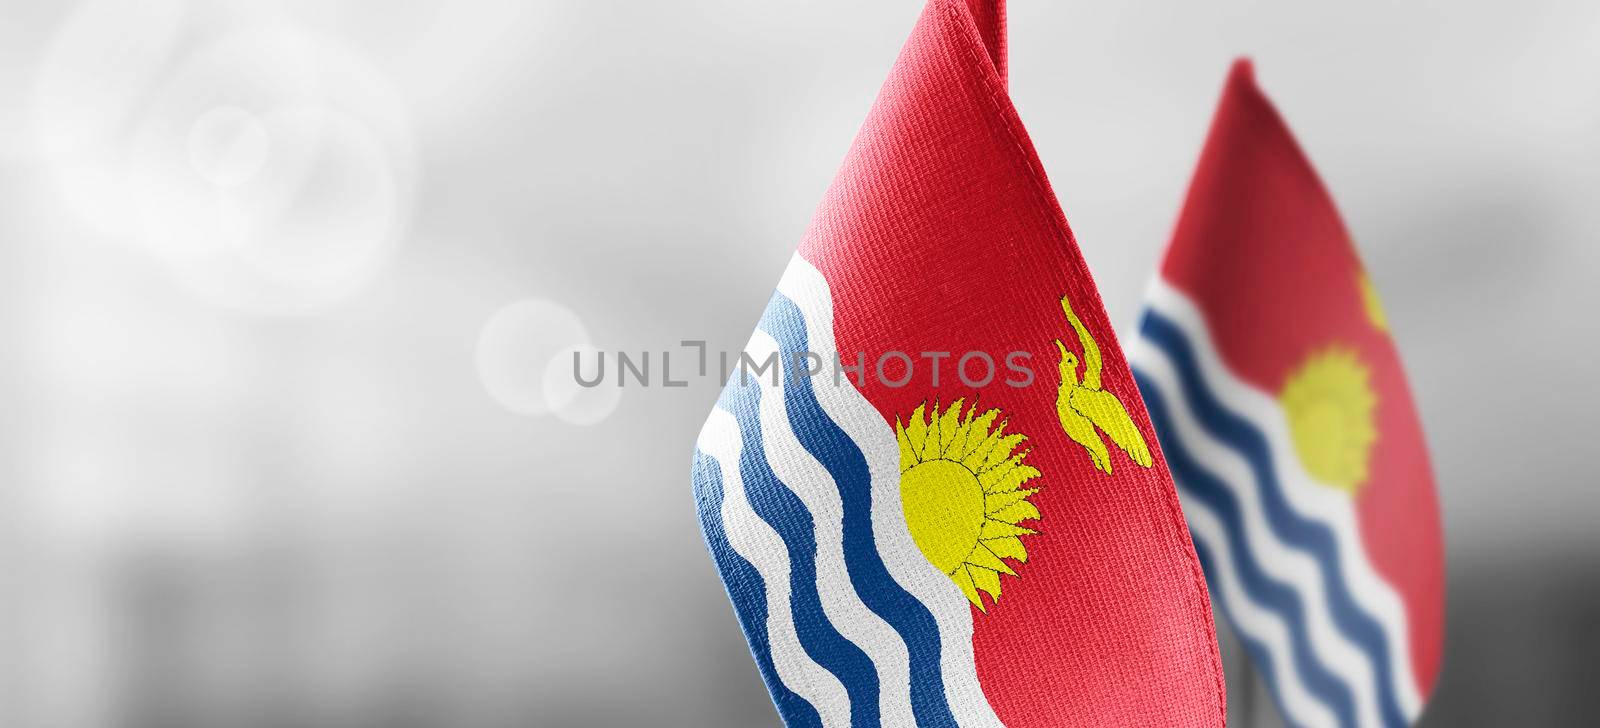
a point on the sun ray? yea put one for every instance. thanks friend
(1009, 547)
(963, 579)
(996, 529)
(1002, 450)
(982, 556)
(986, 579)
(999, 501)
(961, 485)
(908, 458)
(917, 432)
(1019, 511)
(947, 427)
(980, 452)
(979, 425)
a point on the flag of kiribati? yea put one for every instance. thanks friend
(1266, 363)
(930, 487)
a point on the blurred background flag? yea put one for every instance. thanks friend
(944, 504)
(1266, 362)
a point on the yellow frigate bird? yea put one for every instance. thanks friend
(1083, 406)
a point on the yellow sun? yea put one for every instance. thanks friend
(1330, 403)
(961, 487)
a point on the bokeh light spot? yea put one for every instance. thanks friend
(570, 400)
(227, 146)
(516, 347)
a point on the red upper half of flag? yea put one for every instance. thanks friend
(941, 234)
(1262, 251)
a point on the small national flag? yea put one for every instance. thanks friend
(942, 503)
(1266, 363)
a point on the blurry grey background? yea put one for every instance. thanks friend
(278, 282)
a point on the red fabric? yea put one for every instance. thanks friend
(941, 233)
(989, 16)
(1286, 287)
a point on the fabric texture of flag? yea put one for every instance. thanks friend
(1266, 363)
(942, 503)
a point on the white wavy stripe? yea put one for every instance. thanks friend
(1308, 498)
(1254, 621)
(756, 541)
(806, 287)
(1290, 566)
(801, 473)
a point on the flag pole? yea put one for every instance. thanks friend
(1240, 675)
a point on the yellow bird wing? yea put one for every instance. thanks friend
(1091, 350)
(1106, 411)
(1081, 430)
